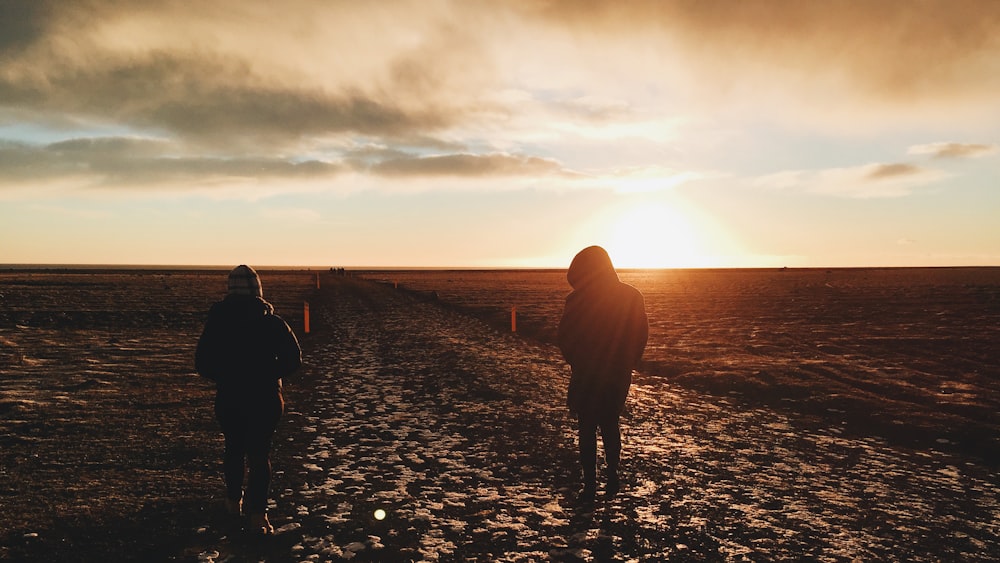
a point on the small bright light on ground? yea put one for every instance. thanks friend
(380, 514)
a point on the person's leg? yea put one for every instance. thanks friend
(587, 432)
(259, 482)
(233, 468)
(611, 435)
(234, 456)
(259, 462)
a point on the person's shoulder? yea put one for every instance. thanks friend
(629, 289)
(218, 308)
(275, 321)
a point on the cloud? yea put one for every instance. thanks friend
(144, 163)
(236, 73)
(108, 147)
(238, 88)
(877, 180)
(139, 163)
(878, 172)
(21, 24)
(893, 49)
(242, 74)
(467, 165)
(214, 101)
(955, 150)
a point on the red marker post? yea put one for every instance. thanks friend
(305, 316)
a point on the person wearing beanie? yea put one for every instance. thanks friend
(602, 335)
(243, 280)
(246, 349)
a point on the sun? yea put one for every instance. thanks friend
(653, 235)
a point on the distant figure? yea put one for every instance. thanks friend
(602, 335)
(247, 349)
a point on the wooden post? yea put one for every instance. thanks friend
(305, 317)
(513, 319)
(317, 280)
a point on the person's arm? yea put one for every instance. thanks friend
(640, 328)
(206, 359)
(567, 334)
(289, 353)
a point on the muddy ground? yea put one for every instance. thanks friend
(452, 427)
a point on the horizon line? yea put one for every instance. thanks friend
(316, 268)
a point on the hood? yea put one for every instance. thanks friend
(591, 265)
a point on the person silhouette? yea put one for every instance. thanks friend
(247, 350)
(602, 335)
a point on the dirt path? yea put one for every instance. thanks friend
(458, 433)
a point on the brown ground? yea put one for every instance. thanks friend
(456, 429)
(912, 355)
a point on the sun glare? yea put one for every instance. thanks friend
(654, 236)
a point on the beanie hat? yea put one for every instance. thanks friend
(243, 280)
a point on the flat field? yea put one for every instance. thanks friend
(831, 414)
(910, 353)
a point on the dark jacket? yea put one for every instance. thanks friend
(602, 333)
(245, 347)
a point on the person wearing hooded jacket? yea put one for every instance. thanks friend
(602, 335)
(247, 350)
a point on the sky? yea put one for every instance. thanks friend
(470, 133)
